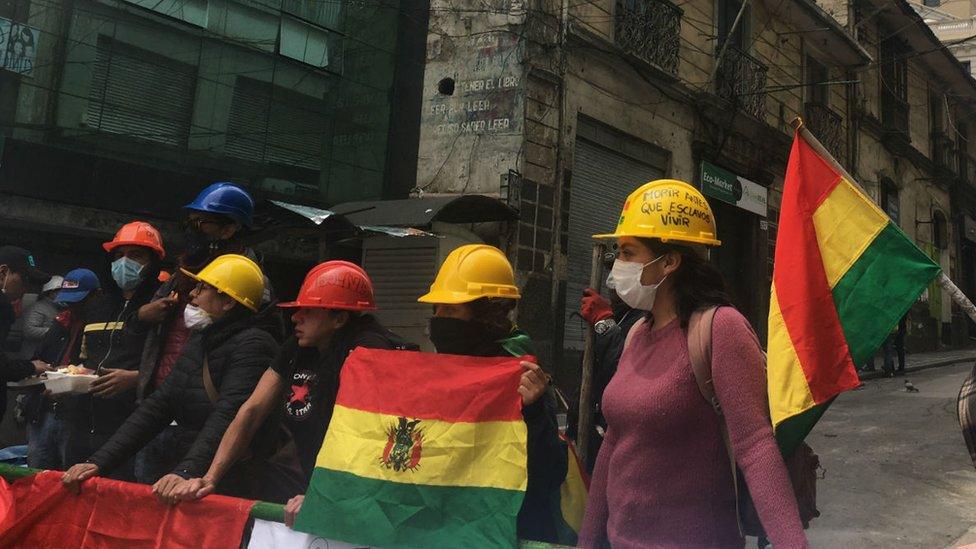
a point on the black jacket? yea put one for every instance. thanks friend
(155, 334)
(548, 461)
(238, 350)
(607, 349)
(104, 343)
(11, 369)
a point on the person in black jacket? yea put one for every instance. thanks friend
(214, 224)
(17, 270)
(303, 381)
(230, 347)
(611, 320)
(473, 296)
(105, 347)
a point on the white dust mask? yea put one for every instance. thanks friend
(196, 318)
(625, 278)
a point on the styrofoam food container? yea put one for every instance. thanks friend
(62, 384)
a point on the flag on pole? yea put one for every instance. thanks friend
(423, 450)
(843, 276)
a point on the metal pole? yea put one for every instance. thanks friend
(725, 43)
(957, 296)
(586, 383)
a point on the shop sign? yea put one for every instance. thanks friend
(733, 189)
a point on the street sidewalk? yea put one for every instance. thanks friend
(923, 361)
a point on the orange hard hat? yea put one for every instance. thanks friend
(336, 285)
(137, 233)
(164, 276)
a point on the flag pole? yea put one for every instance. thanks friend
(586, 383)
(948, 285)
(957, 296)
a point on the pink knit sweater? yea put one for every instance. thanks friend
(662, 478)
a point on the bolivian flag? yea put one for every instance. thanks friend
(844, 274)
(423, 450)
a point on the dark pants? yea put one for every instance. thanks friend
(60, 434)
(893, 344)
(158, 458)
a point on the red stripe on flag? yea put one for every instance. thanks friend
(108, 513)
(454, 388)
(804, 295)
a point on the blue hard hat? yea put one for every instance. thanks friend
(225, 199)
(76, 286)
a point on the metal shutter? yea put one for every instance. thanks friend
(274, 125)
(602, 180)
(139, 94)
(401, 273)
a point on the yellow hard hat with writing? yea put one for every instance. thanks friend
(668, 210)
(236, 276)
(472, 272)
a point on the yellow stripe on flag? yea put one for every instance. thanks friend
(847, 222)
(489, 454)
(789, 392)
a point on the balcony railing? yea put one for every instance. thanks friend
(741, 79)
(649, 30)
(828, 126)
(894, 113)
(943, 151)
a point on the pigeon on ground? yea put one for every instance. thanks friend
(909, 387)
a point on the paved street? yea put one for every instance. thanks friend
(897, 470)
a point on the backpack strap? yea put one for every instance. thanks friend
(700, 355)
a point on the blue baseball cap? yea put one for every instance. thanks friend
(77, 285)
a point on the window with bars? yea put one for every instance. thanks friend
(139, 94)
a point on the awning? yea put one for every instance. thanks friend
(284, 215)
(422, 212)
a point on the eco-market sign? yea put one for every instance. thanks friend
(733, 189)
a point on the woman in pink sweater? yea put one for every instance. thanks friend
(662, 478)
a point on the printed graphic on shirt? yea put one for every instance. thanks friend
(299, 403)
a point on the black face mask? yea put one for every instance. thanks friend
(198, 247)
(454, 336)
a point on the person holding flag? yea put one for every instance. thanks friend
(473, 295)
(662, 477)
(303, 380)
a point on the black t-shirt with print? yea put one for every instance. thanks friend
(312, 383)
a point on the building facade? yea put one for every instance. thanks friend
(114, 109)
(576, 104)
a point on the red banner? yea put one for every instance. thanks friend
(39, 512)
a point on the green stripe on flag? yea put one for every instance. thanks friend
(879, 289)
(338, 505)
(792, 431)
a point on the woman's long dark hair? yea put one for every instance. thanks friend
(697, 283)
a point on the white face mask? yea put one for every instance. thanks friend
(625, 278)
(195, 318)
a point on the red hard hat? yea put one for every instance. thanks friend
(336, 285)
(137, 233)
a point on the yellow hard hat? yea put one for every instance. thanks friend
(236, 276)
(472, 272)
(669, 210)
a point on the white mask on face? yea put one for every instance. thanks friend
(195, 318)
(625, 278)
